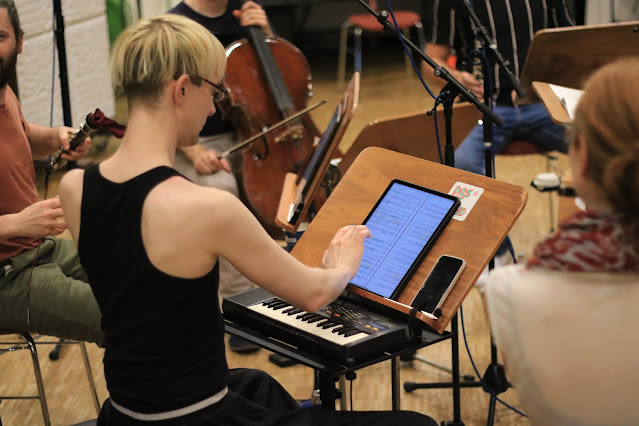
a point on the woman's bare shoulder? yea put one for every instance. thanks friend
(189, 202)
(71, 184)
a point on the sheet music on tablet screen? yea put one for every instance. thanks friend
(404, 226)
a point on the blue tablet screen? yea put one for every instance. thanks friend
(405, 223)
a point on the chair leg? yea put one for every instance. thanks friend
(357, 49)
(409, 67)
(87, 367)
(38, 377)
(420, 35)
(341, 57)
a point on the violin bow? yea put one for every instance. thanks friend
(270, 129)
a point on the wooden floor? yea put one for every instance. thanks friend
(386, 91)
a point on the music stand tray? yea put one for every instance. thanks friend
(413, 133)
(556, 110)
(567, 56)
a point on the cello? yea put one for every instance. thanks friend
(268, 80)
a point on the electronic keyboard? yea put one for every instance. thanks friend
(342, 330)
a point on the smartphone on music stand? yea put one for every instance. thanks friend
(438, 284)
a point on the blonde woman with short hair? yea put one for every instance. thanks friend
(150, 241)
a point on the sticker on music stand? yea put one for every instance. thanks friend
(468, 194)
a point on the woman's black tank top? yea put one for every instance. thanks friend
(164, 335)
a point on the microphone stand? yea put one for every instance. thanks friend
(453, 87)
(480, 30)
(494, 379)
(448, 94)
(62, 59)
(66, 104)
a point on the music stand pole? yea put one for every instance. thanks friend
(494, 379)
(66, 103)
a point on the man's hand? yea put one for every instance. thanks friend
(471, 83)
(40, 219)
(252, 13)
(206, 162)
(79, 152)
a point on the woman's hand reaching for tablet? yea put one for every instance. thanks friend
(346, 249)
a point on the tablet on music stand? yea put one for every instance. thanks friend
(404, 223)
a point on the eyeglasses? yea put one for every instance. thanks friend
(220, 92)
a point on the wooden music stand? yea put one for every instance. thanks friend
(567, 56)
(413, 134)
(294, 185)
(476, 239)
(553, 105)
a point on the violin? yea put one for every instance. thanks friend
(268, 80)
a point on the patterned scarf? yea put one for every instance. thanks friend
(587, 242)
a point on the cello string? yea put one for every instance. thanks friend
(271, 72)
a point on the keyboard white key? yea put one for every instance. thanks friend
(309, 327)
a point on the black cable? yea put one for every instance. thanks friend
(419, 75)
(351, 394)
(481, 380)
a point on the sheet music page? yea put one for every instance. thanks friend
(401, 225)
(568, 98)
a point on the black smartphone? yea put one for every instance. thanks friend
(438, 284)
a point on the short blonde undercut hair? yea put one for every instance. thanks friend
(154, 51)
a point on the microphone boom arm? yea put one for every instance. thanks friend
(439, 70)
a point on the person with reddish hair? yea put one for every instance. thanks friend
(567, 320)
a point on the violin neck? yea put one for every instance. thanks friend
(271, 71)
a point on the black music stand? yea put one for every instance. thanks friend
(298, 191)
(329, 370)
(362, 185)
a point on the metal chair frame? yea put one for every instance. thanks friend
(357, 33)
(30, 344)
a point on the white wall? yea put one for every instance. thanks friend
(600, 11)
(87, 50)
(155, 7)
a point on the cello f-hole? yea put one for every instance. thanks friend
(262, 156)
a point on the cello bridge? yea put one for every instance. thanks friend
(291, 134)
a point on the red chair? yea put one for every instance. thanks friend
(367, 22)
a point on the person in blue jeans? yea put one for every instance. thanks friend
(526, 122)
(511, 25)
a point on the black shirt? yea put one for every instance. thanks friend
(511, 24)
(164, 335)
